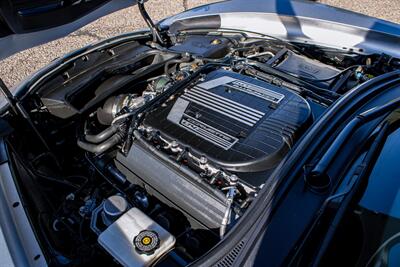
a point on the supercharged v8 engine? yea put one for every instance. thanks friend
(239, 123)
(146, 154)
(221, 128)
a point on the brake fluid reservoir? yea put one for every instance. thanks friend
(136, 240)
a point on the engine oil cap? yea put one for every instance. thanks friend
(146, 242)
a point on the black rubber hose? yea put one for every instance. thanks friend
(359, 120)
(173, 61)
(102, 147)
(118, 176)
(101, 137)
(293, 79)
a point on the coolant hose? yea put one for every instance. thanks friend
(102, 147)
(173, 61)
(104, 135)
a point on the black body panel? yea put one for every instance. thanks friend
(27, 16)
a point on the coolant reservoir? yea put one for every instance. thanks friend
(136, 240)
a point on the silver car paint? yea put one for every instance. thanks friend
(304, 21)
(18, 233)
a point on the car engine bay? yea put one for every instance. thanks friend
(164, 148)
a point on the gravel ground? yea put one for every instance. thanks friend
(383, 9)
(17, 67)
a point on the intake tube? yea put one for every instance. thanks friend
(104, 135)
(101, 147)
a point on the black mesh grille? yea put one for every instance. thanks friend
(229, 259)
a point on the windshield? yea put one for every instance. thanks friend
(382, 199)
(369, 232)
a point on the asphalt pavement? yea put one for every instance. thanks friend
(17, 67)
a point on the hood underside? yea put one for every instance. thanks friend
(25, 24)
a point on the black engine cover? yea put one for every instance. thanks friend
(240, 123)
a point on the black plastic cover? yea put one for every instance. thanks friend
(240, 123)
(202, 22)
(94, 78)
(316, 72)
(203, 46)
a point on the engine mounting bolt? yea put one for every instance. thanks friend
(233, 179)
(82, 211)
(216, 42)
(111, 52)
(65, 75)
(174, 144)
(70, 196)
(203, 160)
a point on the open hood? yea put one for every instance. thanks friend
(24, 23)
